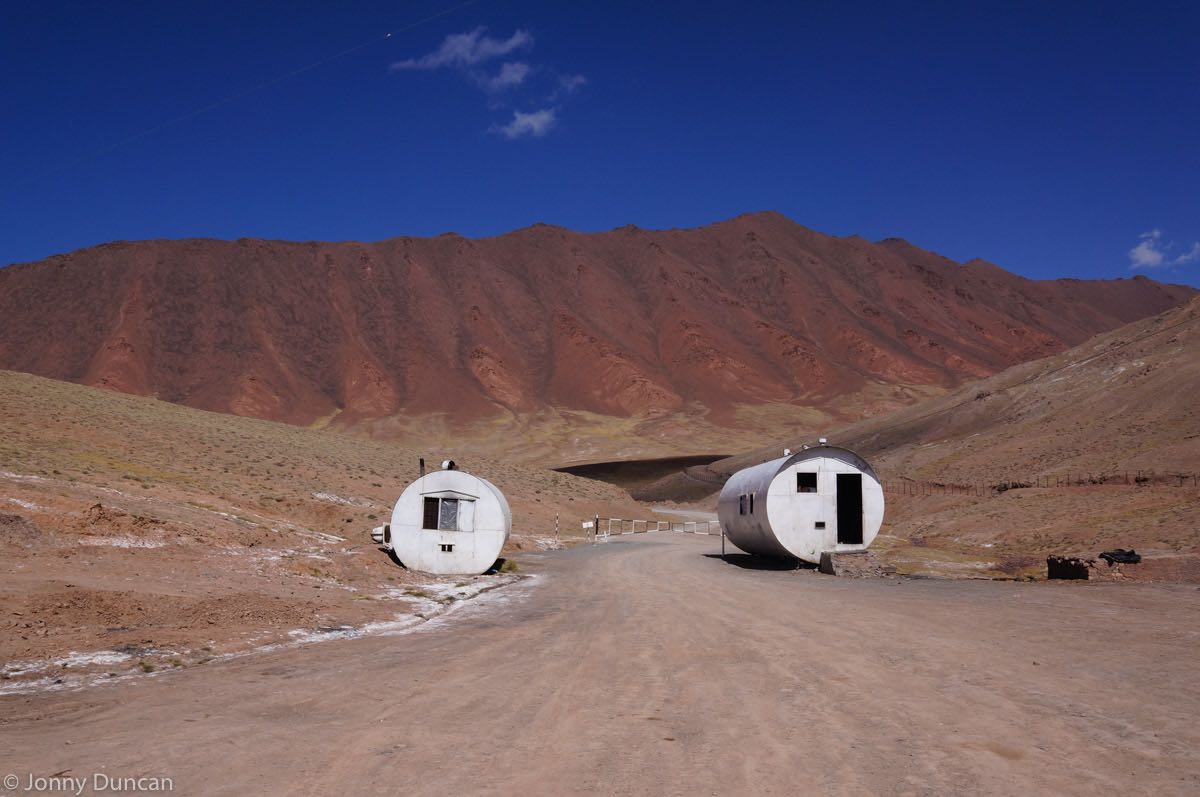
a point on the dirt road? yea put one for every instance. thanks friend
(648, 666)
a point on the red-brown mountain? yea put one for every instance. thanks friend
(749, 311)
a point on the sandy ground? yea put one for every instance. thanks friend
(136, 533)
(649, 666)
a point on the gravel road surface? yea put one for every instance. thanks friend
(650, 666)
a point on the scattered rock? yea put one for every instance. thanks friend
(16, 530)
(1077, 568)
(854, 564)
(1066, 567)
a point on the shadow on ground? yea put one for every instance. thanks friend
(748, 562)
(630, 474)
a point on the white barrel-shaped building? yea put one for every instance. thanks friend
(448, 522)
(802, 505)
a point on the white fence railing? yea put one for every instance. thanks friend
(604, 528)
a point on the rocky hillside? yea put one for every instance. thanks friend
(756, 311)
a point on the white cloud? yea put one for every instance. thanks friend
(513, 84)
(510, 74)
(1153, 251)
(535, 124)
(569, 83)
(1190, 255)
(1147, 253)
(467, 49)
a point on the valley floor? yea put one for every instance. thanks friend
(649, 665)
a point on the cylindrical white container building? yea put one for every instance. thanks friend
(449, 523)
(802, 505)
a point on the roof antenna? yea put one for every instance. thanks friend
(422, 467)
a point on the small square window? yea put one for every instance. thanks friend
(806, 482)
(447, 547)
(741, 504)
(751, 503)
(820, 524)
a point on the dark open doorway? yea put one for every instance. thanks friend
(849, 509)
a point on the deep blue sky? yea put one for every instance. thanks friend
(1044, 137)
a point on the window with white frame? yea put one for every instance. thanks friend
(448, 514)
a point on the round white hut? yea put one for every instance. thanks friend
(448, 522)
(801, 505)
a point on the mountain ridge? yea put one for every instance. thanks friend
(756, 310)
(1110, 405)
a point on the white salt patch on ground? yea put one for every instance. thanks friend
(277, 555)
(448, 598)
(121, 542)
(439, 600)
(61, 673)
(24, 504)
(235, 518)
(40, 685)
(20, 477)
(100, 657)
(334, 498)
